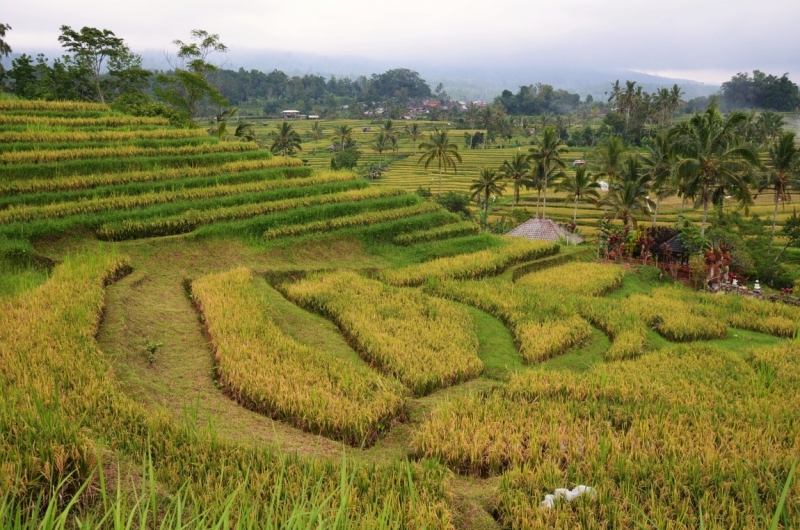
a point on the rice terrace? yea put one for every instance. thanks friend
(247, 300)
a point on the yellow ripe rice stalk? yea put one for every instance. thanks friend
(115, 179)
(36, 135)
(43, 157)
(471, 266)
(268, 371)
(22, 104)
(106, 121)
(427, 343)
(591, 279)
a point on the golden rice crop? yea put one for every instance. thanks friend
(544, 323)
(22, 104)
(38, 157)
(350, 221)
(592, 279)
(181, 224)
(126, 202)
(675, 319)
(60, 406)
(36, 135)
(777, 319)
(627, 331)
(427, 343)
(106, 121)
(471, 266)
(464, 228)
(268, 371)
(115, 179)
(661, 438)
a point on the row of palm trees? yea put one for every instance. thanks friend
(704, 160)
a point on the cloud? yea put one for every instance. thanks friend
(701, 38)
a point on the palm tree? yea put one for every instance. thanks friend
(414, 133)
(489, 182)
(487, 117)
(660, 161)
(316, 132)
(517, 170)
(783, 172)
(471, 114)
(547, 153)
(581, 186)
(712, 158)
(438, 147)
(382, 144)
(285, 139)
(628, 197)
(609, 157)
(5, 49)
(342, 134)
(537, 180)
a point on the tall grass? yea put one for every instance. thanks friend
(23, 104)
(464, 228)
(105, 121)
(591, 279)
(39, 136)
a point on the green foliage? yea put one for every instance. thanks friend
(346, 159)
(456, 203)
(760, 91)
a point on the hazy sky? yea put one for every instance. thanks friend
(705, 40)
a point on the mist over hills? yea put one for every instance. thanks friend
(463, 78)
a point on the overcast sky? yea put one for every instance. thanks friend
(704, 40)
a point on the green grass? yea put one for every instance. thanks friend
(497, 351)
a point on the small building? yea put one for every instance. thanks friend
(291, 114)
(545, 230)
(313, 116)
(603, 185)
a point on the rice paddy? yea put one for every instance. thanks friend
(192, 339)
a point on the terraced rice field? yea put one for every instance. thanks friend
(311, 350)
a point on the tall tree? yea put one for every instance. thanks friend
(285, 139)
(5, 49)
(547, 152)
(517, 170)
(414, 132)
(189, 84)
(712, 158)
(580, 186)
(489, 182)
(316, 132)
(91, 47)
(782, 174)
(342, 134)
(628, 196)
(381, 144)
(659, 161)
(439, 147)
(609, 156)
(487, 117)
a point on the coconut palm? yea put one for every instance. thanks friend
(782, 173)
(414, 132)
(487, 118)
(547, 152)
(343, 134)
(489, 182)
(659, 161)
(381, 144)
(628, 197)
(712, 158)
(609, 155)
(471, 114)
(518, 171)
(5, 49)
(580, 186)
(316, 132)
(439, 147)
(285, 139)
